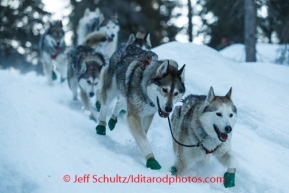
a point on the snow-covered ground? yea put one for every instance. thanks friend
(45, 135)
(265, 52)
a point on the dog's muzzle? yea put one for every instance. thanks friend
(110, 39)
(222, 136)
(162, 113)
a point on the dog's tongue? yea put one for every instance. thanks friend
(109, 39)
(163, 114)
(223, 136)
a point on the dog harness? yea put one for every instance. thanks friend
(196, 145)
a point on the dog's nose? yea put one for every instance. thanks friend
(112, 36)
(228, 129)
(168, 109)
(58, 43)
(91, 94)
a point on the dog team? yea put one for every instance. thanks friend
(142, 85)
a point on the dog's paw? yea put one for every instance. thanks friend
(100, 130)
(173, 170)
(229, 180)
(93, 118)
(122, 112)
(111, 123)
(62, 80)
(153, 164)
(97, 106)
(53, 75)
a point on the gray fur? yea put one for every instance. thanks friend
(138, 85)
(193, 122)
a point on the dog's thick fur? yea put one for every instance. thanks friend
(144, 86)
(51, 49)
(207, 120)
(84, 69)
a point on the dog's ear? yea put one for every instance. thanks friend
(97, 11)
(162, 69)
(83, 67)
(86, 12)
(229, 94)
(211, 95)
(148, 39)
(131, 38)
(101, 18)
(181, 73)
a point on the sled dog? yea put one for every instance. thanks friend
(143, 86)
(95, 21)
(51, 49)
(84, 69)
(206, 123)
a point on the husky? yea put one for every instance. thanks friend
(52, 47)
(95, 21)
(205, 123)
(84, 69)
(111, 28)
(144, 86)
(139, 39)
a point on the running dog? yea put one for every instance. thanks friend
(51, 48)
(143, 86)
(84, 69)
(95, 21)
(205, 123)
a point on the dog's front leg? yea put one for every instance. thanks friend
(86, 103)
(228, 160)
(135, 125)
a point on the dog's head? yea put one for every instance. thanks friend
(140, 39)
(55, 31)
(219, 115)
(110, 27)
(167, 86)
(89, 78)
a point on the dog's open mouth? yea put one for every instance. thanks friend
(163, 114)
(109, 39)
(222, 136)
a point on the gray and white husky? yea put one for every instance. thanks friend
(51, 49)
(143, 86)
(206, 123)
(84, 69)
(95, 21)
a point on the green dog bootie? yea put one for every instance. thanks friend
(97, 106)
(100, 130)
(153, 164)
(122, 112)
(229, 180)
(62, 80)
(173, 170)
(93, 118)
(53, 75)
(111, 123)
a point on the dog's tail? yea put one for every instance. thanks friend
(94, 38)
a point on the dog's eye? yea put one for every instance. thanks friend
(176, 93)
(231, 115)
(88, 82)
(165, 90)
(219, 114)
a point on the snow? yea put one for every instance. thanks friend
(265, 52)
(45, 135)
